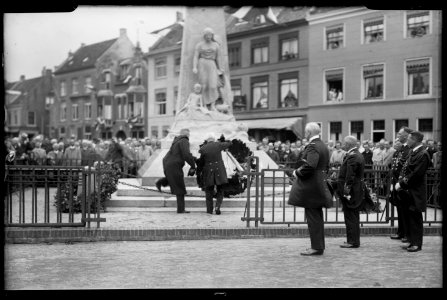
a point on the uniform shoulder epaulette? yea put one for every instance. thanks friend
(312, 143)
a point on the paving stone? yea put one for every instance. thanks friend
(222, 263)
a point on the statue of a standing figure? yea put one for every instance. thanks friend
(207, 58)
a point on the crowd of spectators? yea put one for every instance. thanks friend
(44, 151)
(287, 154)
(130, 153)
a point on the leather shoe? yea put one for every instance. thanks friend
(217, 211)
(405, 240)
(310, 252)
(414, 248)
(347, 245)
(209, 212)
(396, 237)
(158, 185)
(183, 212)
(406, 247)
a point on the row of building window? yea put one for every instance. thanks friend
(124, 108)
(13, 118)
(417, 73)
(86, 132)
(106, 81)
(288, 49)
(75, 86)
(356, 128)
(161, 67)
(417, 78)
(417, 25)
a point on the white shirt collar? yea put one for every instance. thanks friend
(351, 149)
(313, 138)
(417, 147)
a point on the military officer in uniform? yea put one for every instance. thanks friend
(351, 191)
(400, 157)
(310, 190)
(214, 174)
(411, 189)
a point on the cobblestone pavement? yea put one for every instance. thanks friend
(218, 264)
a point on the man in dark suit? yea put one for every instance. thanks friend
(350, 190)
(310, 190)
(214, 173)
(272, 153)
(411, 189)
(173, 163)
(398, 161)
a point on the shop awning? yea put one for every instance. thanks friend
(274, 123)
(105, 93)
(136, 89)
(295, 124)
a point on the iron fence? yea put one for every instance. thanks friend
(52, 196)
(270, 188)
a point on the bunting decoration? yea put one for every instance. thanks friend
(99, 122)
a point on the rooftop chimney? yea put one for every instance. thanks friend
(123, 32)
(179, 17)
(22, 77)
(82, 45)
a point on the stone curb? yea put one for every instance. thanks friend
(69, 235)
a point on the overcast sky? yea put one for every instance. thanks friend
(36, 40)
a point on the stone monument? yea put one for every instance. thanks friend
(205, 99)
(210, 59)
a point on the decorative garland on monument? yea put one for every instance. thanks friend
(237, 183)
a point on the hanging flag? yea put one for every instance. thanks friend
(271, 16)
(99, 122)
(133, 120)
(249, 13)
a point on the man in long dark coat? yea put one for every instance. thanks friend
(214, 173)
(351, 190)
(411, 190)
(400, 158)
(173, 164)
(310, 190)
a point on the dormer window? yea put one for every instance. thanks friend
(260, 19)
(138, 75)
(107, 79)
(241, 22)
(85, 60)
(124, 70)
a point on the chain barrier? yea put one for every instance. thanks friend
(168, 193)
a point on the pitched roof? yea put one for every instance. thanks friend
(283, 15)
(85, 57)
(13, 99)
(321, 10)
(172, 38)
(23, 87)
